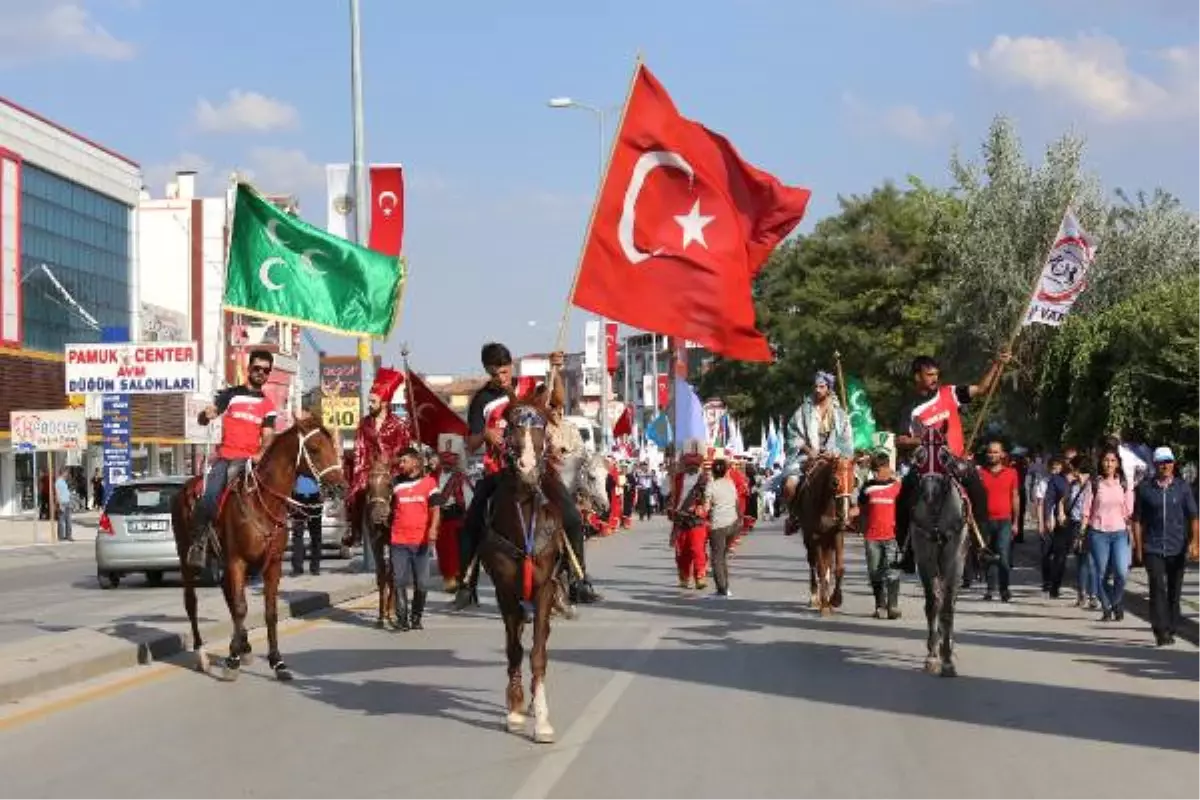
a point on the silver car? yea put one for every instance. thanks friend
(136, 535)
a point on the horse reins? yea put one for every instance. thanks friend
(256, 486)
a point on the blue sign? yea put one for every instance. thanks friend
(116, 427)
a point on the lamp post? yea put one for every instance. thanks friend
(567, 102)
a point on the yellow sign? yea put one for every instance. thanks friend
(364, 349)
(340, 412)
(76, 401)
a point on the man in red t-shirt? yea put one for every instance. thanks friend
(1000, 484)
(416, 512)
(877, 522)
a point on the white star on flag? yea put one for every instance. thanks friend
(693, 224)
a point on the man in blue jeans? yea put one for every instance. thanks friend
(1001, 485)
(62, 500)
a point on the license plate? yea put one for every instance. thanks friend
(148, 526)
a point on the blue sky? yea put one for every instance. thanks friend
(834, 96)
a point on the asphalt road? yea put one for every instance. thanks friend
(656, 692)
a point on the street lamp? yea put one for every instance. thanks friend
(567, 102)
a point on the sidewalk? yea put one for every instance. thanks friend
(27, 531)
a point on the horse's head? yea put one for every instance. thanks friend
(379, 492)
(526, 439)
(592, 484)
(939, 505)
(317, 456)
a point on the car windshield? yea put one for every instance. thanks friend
(143, 498)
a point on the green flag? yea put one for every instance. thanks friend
(862, 421)
(282, 267)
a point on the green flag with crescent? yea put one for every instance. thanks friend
(862, 420)
(280, 267)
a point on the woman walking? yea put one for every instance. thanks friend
(1107, 506)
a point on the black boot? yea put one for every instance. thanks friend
(197, 555)
(582, 592)
(418, 608)
(893, 600)
(402, 616)
(880, 603)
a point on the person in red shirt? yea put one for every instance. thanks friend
(1000, 484)
(246, 432)
(380, 437)
(416, 513)
(877, 522)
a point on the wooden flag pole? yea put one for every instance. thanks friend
(412, 403)
(841, 379)
(1016, 330)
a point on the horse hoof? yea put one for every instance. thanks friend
(826, 611)
(515, 722)
(949, 670)
(836, 600)
(570, 612)
(543, 734)
(282, 673)
(230, 672)
(381, 623)
(202, 661)
(813, 602)
(933, 666)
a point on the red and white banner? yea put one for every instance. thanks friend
(610, 346)
(387, 209)
(1064, 276)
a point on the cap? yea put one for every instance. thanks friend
(1163, 454)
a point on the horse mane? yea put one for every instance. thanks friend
(817, 482)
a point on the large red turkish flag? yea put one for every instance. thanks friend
(431, 413)
(681, 228)
(387, 210)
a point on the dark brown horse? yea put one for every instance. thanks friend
(252, 533)
(376, 515)
(822, 505)
(521, 552)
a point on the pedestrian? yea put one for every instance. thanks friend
(307, 518)
(1107, 507)
(1078, 475)
(1020, 462)
(689, 516)
(1001, 484)
(62, 502)
(415, 519)
(1056, 487)
(1165, 535)
(97, 490)
(877, 523)
(645, 487)
(725, 519)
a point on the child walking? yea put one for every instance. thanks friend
(416, 513)
(877, 521)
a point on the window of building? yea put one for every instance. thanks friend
(83, 237)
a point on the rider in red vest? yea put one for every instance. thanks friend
(931, 428)
(246, 431)
(381, 436)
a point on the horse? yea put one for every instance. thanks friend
(521, 551)
(939, 538)
(376, 514)
(822, 504)
(252, 533)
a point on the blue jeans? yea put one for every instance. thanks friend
(1110, 550)
(214, 484)
(998, 535)
(1085, 567)
(881, 559)
(64, 522)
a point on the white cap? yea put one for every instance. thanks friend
(1162, 454)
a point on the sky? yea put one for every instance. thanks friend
(833, 96)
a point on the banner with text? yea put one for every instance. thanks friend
(63, 429)
(133, 368)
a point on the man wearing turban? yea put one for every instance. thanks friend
(820, 425)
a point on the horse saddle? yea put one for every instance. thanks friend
(235, 476)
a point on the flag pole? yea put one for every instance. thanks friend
(412, 403)
(1016, 330)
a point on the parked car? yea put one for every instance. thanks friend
(135, 533)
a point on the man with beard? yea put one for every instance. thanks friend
(819, 426)
(246, 432)
(381, 436)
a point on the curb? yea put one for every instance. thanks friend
(80, 655)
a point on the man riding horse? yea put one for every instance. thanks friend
(486, 425)
(819, 426)
(249, 423)
(381, 436)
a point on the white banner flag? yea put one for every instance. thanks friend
(1064, 276)
(340, 205)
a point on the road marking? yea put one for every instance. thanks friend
(554, 765)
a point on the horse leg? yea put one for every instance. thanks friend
(235, 598)
(188, 576)
(839, 570)
(810, 555)
(932, 662)
(825, 580)
(514, 621)
(952, 570)
(543, 731)
(382, 582)
(272, 572)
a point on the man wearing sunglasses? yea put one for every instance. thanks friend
(248, 425)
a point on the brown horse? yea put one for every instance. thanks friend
(521, 552)
(376, 515)
(252, 533)
(822, 505)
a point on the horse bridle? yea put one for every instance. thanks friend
(525, 419)
(302, 453)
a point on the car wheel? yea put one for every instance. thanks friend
(109, 580)
(154, 577)
(213, 573)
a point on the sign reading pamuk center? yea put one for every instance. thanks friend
(133, 368)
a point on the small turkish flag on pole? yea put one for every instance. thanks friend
(680, 228)
(432, 413)
(387, 209)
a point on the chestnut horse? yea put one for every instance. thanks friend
(521, 551)
(252, 533)
(376, 516)
(822, 505)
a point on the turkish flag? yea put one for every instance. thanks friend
(681, 228)
(610, 346)
(387, 210)
(430, 412)
(664, 390)
(624, 424)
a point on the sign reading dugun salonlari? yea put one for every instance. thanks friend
(133, 368)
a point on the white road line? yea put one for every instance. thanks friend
(550, 770)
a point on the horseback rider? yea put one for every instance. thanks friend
(486, 423)
(931, 429)
(246, 431)
(820, 425)
(381, 435)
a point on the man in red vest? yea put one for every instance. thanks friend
(382, 436)
(246, 431)
(931, 429)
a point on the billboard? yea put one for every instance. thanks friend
(61, 429)
(132, 368)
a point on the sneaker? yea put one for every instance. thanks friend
(1106, 616)
(1093, 603)
(1005, 597)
